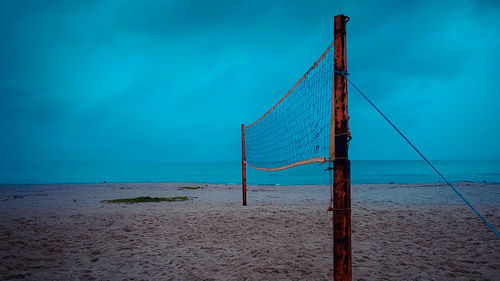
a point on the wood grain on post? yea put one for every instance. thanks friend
(243, 166)
(342, 270)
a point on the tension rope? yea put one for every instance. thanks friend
(345, 74)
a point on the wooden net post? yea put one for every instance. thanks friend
(342, 270)
(243, 166)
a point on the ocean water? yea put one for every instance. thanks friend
(362, 171)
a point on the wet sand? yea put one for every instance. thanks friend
(64, 232)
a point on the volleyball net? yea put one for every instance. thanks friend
(297, 129)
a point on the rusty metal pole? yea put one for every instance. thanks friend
(342, 270)
(243, 166)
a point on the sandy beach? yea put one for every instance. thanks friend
(399, 232)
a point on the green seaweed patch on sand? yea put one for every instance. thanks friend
(144, 199)
(190, 187)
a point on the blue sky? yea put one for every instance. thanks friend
(123, 80)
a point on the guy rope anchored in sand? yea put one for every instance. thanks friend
(310, 124)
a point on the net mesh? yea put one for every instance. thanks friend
(297, 128)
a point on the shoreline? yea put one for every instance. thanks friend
(91, 194)
(235, 184)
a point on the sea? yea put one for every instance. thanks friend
(362, 171)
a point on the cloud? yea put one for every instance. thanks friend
(170, 80)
